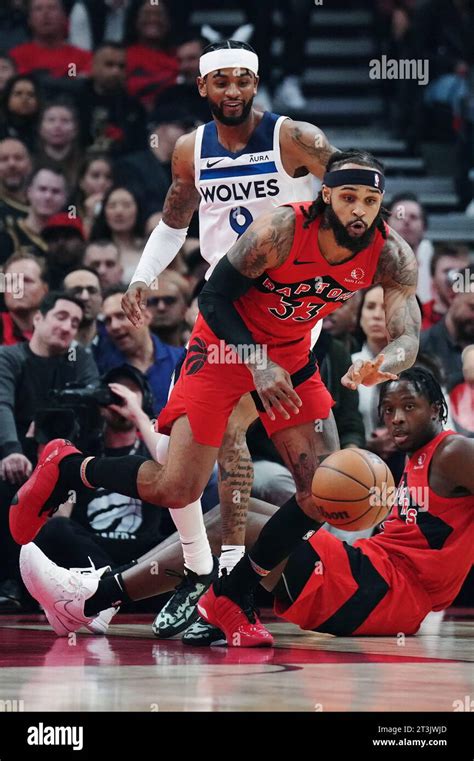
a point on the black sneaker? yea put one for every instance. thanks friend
(181, 611)
(202, 634)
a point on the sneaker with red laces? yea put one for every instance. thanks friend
(42, 494)
(241, 626)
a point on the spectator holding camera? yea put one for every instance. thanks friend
(28, 371)
(102, 525)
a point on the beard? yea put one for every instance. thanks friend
(343, 239)
(230, 121)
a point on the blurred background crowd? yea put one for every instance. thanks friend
(93, 96)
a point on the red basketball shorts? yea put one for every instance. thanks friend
(211, 383)
(330, 586)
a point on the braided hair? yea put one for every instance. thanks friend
(426, 385)
(336, 161)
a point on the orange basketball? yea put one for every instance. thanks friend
(353, 490)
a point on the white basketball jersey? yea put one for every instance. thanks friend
(236, 188)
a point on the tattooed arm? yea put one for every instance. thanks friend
(167, 238)
(182, 198)
(304, 148)
(397, 273)
(264, 245)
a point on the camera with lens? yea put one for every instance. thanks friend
(74, 414)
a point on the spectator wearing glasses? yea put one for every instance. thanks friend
(168, 305)
(84, 285)
(136, 346)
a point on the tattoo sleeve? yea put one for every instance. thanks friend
(312, 147)
(397, 273)
(266, 243)
(182, 198)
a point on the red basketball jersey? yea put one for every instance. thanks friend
(434, 535)
(286, 301)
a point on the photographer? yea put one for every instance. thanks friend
(28, 371)
(103, 526)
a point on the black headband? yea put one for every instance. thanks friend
(370, 177)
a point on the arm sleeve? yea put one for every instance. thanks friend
(225, 286)
(160, 250)
(10, 368)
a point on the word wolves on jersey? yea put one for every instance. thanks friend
(240, 191)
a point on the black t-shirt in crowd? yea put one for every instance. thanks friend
(125, 526)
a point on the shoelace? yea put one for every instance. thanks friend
(185, 580)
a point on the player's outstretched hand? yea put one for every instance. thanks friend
(134, 303)
(366, 372)
(276, 391)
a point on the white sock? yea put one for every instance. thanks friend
(230, 556)
(190, 524)
(192, 533)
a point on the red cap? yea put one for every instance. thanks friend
(64, 220)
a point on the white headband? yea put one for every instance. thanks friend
(228, 58)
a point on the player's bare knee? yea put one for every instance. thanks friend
(180, 492)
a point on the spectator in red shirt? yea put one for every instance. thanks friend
(26, 287)
(446, 257)
(152, 65)
(48, 52)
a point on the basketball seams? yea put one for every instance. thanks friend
(367, 462)
(347, 475)
(374, 514)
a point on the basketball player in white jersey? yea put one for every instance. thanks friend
(235, 168)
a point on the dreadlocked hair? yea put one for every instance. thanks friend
(336, 161)
(425, 383)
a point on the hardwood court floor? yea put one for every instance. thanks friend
(130, 670)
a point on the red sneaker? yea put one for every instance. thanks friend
(36, 501)
(241, 628)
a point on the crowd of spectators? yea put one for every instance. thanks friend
(91, 105)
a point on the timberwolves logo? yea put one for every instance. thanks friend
(196, 356)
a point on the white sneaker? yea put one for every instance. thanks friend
(100, 624)
(62, 593)
(289, 94)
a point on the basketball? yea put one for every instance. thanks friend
(353, 489)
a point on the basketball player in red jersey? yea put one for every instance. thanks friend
(288, 270)
(388, 584)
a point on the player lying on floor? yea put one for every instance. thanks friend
(380, 586)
